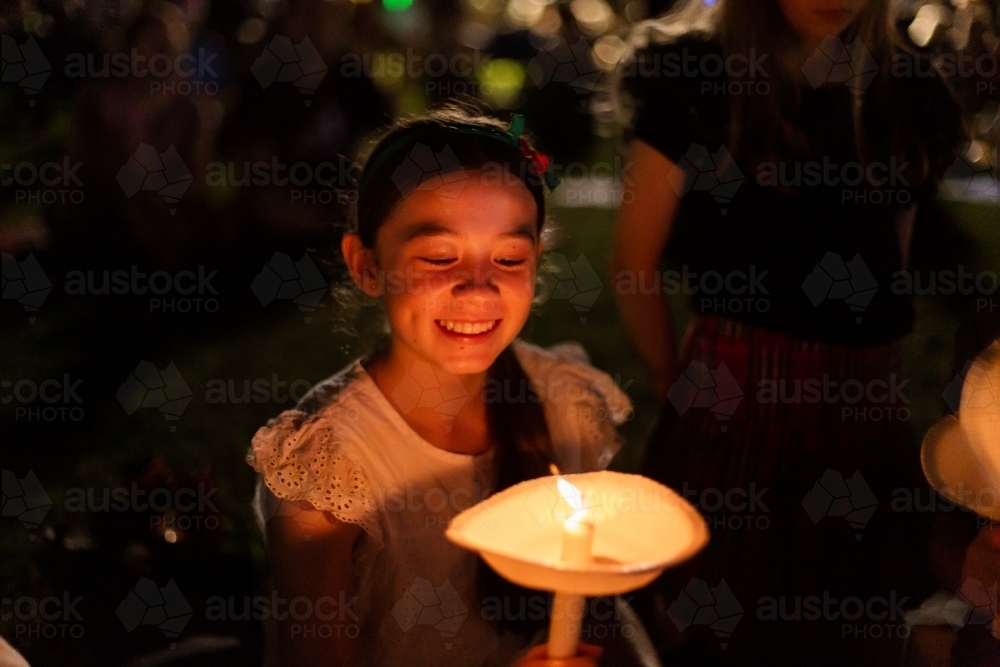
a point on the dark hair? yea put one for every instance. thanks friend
(887, 117)
(459, 136)
(418, 149)
(882, 118)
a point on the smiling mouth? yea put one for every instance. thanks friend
(467, 328)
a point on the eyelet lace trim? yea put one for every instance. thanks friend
(299, 457)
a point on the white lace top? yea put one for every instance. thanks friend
(347, 450)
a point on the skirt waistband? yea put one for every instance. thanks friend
(713, 339)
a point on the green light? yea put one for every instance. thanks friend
(501, 81)
(397, 5)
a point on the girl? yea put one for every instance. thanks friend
(752, 120)
(362, 478)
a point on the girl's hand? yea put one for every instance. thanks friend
(587, 655)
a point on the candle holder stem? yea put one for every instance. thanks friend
(564, 629)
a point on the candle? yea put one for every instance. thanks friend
(568, 610)
(529, 542)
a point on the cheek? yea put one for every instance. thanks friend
(797, 14)
(520, 289)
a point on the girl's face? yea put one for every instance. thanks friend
(457, 272)
(814, 20)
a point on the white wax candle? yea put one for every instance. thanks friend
(568, 610)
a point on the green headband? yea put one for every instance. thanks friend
(511, 137)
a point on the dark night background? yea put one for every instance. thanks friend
(108, 388)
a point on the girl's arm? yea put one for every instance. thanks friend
(311, 557)
(645, 221)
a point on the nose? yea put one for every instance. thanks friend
(475, 277)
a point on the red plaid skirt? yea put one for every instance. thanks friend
(801, 458)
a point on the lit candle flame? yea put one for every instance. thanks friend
(572, 495)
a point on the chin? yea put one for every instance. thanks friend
(469, 362)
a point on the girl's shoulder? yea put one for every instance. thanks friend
(583, 404)
(311, 452)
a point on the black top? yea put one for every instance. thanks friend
(823, 249)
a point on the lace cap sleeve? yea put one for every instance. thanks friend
(583, 403)
(304, 457)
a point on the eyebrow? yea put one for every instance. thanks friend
(425, 229)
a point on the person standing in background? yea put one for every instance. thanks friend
(787, 187)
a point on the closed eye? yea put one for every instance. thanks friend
(511, 262)
(436, 261)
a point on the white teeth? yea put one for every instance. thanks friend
(467, 327)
